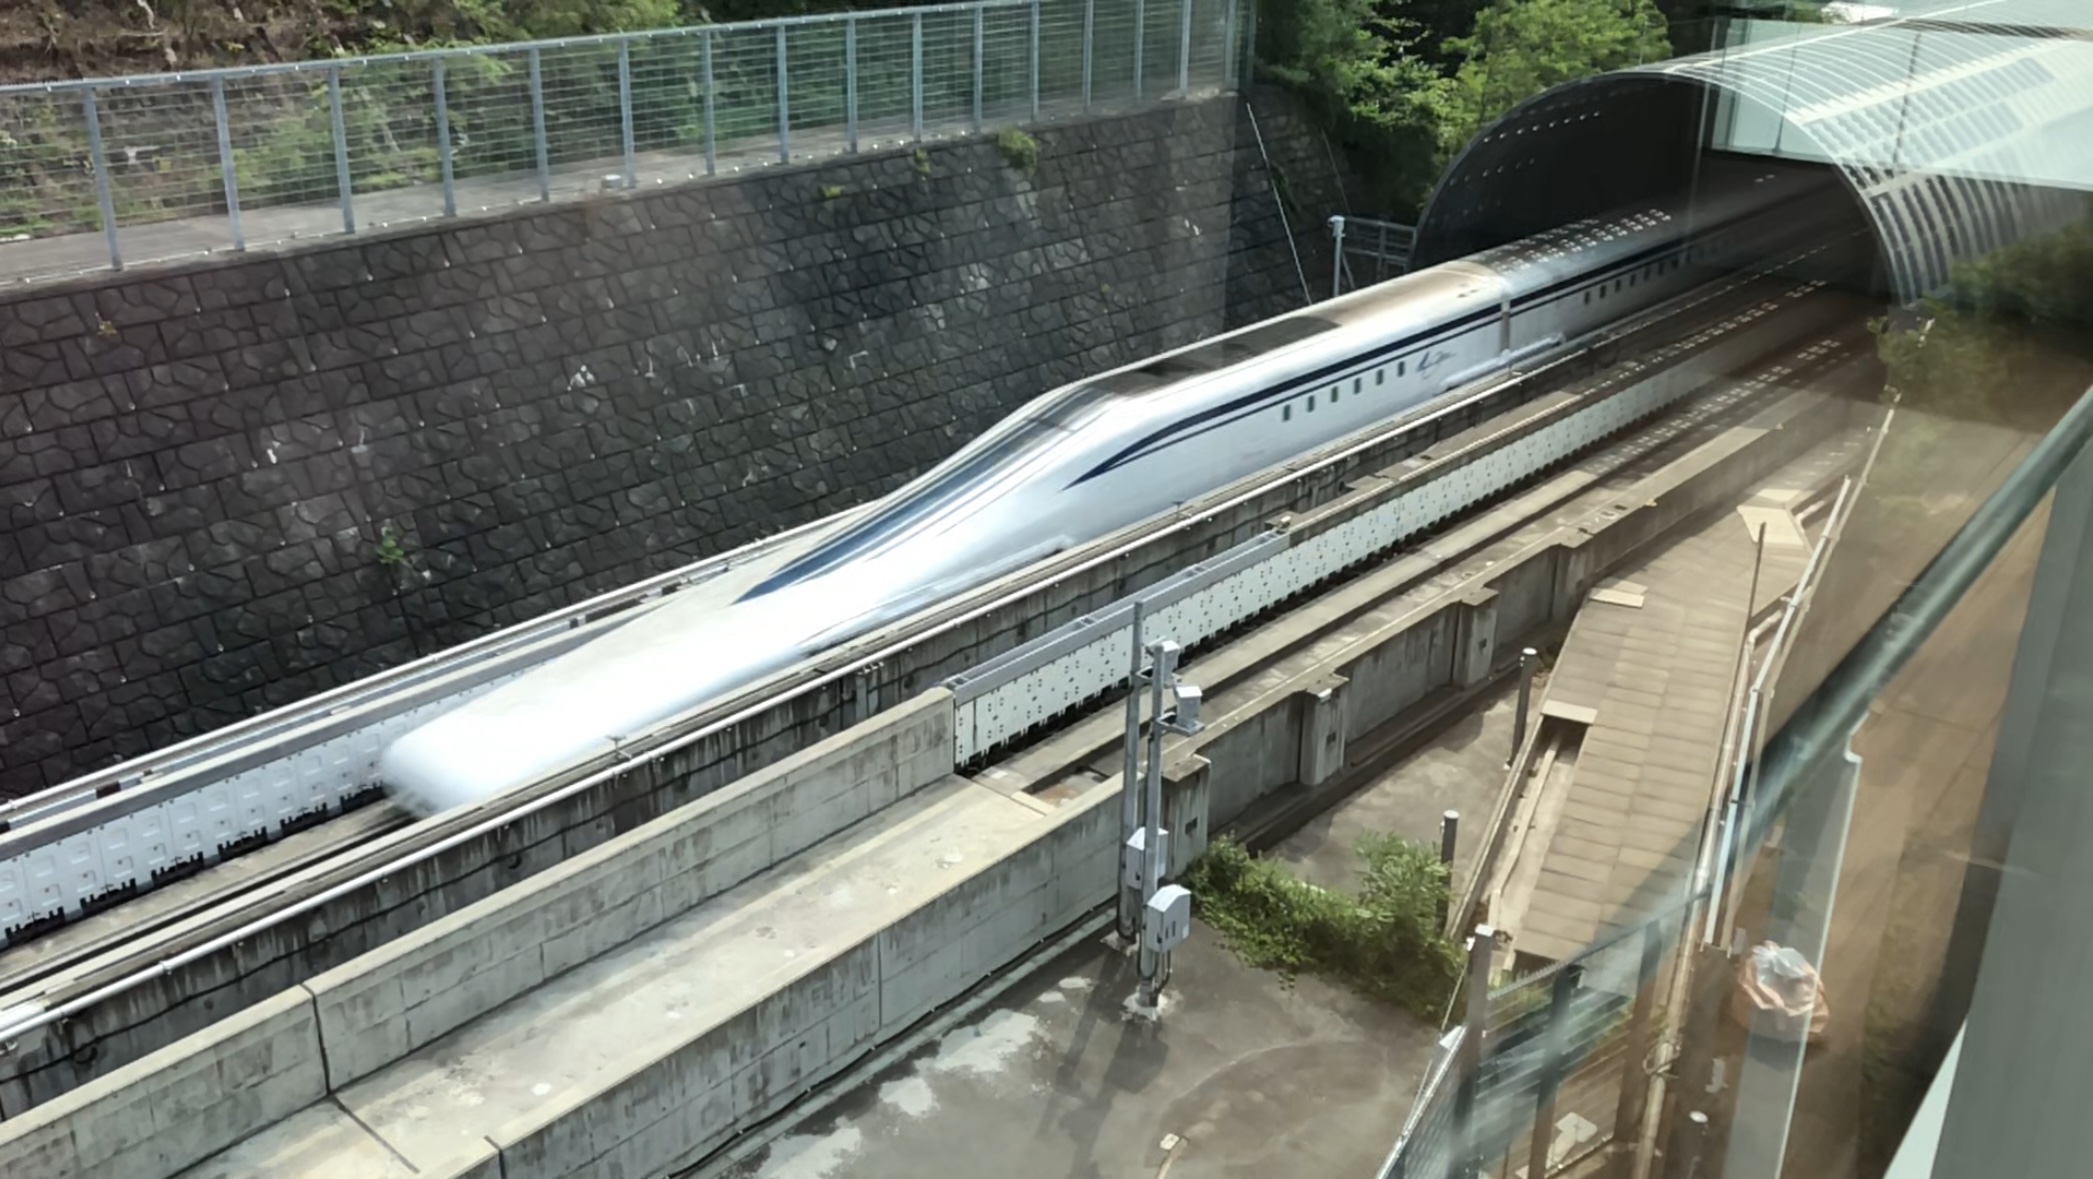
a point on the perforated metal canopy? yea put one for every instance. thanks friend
(1958, 128)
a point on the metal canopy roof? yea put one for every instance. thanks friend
(1959, 128)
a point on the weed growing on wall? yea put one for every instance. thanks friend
(1384, 942)
(1019, 150)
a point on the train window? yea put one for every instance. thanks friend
(1402, 367)
(1334, 391)
(1286, 412)
(1358, 383)
(1381, 375)
(1311, 403)
(1587, 296)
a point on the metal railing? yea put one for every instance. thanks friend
(99, 173)
(1367, 251)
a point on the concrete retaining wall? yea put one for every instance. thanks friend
(387, 1004)
(197, 462)
(694, 1095)
(179, 1105)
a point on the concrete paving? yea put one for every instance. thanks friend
(1651, 664)
(1251, 1076)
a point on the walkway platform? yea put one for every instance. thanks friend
(1647, 672)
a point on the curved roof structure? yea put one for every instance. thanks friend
(1955, 137)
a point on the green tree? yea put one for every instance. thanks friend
(1356, 63)
(1521, 48)
(1988, 348)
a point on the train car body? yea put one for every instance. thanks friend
(1079, 463)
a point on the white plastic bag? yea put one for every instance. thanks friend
(1779, 992)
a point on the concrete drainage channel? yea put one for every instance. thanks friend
(878, 800)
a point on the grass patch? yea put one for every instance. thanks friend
(1383, 943)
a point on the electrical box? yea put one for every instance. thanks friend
(1188, 698)
(1133, 858)
(1168, 921)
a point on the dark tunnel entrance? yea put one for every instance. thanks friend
(1613, 142)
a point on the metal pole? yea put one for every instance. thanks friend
(1035, 61)
(1551, 1067)
(1129, 780)
(1228, 47)
(1089, 37)
(980, 37)
(1162, 658)
(1480, 947)
(341, 149)
(1140, 43)
(1449, 836)
(711, 129)
(850, 82)
(225, 162)
(443, 141)
(104, 193)
(1635, 1086)
(1249, 66)
(784, 105)
(632, 165)
(538, 128)
(915, 78)
(1337, 256)
(1184, 49)
(1529, 661)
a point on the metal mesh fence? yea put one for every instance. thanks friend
(118, 171)
(1558, 1055)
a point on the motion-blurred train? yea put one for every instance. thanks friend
(1084, 461)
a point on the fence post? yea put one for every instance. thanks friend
(1249, 62)
(104, 194)
(1035, 60)
(850, 81)
(1184, 49)
(341, 149)
(1553, 1041)
(1089, 38)
(1480, 948)
(1140, 45)
(915, 78)
(1635, 1086)
(1337, 256)
(1529, 659)
(784, 104)
(1449, 842)
(979, 38)
(538, 129)
(632, 166)
(711, 138)
(225, 162)
(1228, 47)
(443, 140)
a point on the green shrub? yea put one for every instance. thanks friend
(1385, 942)
(1020, 150)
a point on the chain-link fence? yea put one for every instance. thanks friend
(104, 172)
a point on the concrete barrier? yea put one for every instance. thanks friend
(178, 1106)
(388, 1003)
(690, 1091)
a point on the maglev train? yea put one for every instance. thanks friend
(1077, 464)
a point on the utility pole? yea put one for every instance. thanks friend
(1165, 909)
